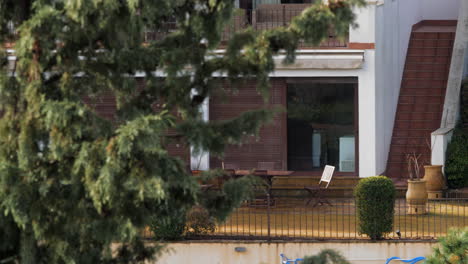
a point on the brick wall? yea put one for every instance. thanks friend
(270, 146)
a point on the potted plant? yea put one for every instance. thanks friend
(435, 181)
(416, 195)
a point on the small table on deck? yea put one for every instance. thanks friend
(266, 175)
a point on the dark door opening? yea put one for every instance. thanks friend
(321, 125)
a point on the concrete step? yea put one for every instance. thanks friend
(413, 124)
(420, 108)
(429, 51)
(432, 75)
(431, 43)
(403, 150)
(426, 67)
(429, 59)
(423, 92)
(414, 141)
(399, 157)
(418, 116)
(432, 36)
(418, 83)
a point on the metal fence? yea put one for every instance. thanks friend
(292, 219)
(258, 19)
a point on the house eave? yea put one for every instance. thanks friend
(323, 60)
(320, 59)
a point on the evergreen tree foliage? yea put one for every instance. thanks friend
(77, 188)
(456, 167)
(452, 249)
(326, 256)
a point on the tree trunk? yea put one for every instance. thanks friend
(28, 247)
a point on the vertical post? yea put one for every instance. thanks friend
(284, 15)
(254, 19)
(201, 160)
(268, 217)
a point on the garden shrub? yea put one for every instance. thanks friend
(375, 200)
(452, 249)
(169, 228)
(456, 165)
(199, 222)
(326, 256)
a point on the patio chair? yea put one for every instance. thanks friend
(316, 192)
(411, 261)
(285, 260)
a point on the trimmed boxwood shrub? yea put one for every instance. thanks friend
(456, 165)
(375, 200)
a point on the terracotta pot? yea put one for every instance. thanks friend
(434, 178)
(416, 197)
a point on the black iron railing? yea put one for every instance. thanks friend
(270, 17)
(290, 219)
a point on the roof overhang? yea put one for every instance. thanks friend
(323, 60)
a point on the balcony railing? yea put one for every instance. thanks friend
(263, 18)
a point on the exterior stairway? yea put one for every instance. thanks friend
(421, 99)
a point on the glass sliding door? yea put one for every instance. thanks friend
(321, 124)
(257, 3)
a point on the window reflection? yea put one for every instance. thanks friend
(321, 126)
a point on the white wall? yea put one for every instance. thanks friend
(439, 9)
(365, 32)
(465, 67)
(216, 252)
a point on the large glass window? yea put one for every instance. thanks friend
(321, 126)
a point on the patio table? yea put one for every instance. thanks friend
(266, 175)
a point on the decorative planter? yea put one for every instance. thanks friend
(435, 182)
(416, 197)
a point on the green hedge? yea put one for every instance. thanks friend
(375, 200)
(456, 165)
